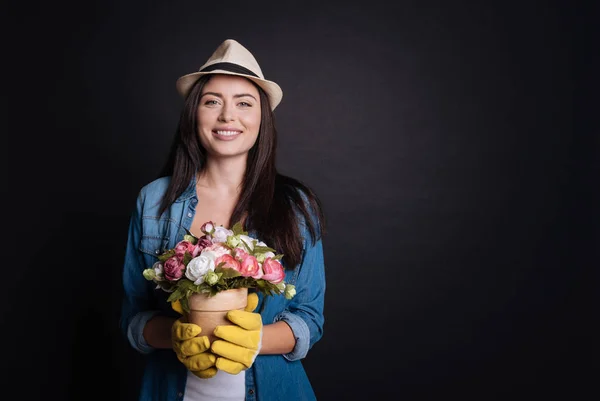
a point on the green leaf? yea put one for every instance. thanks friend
(186, 258)
(227, 272)
(176, 295)
(184, 284)
(166, 255)
(185, 305)
(184, 288)
(238, 229)
(165, 285)
(190, 238)
(248, 249)
(263, 249)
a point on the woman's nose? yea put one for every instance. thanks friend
(227, 114)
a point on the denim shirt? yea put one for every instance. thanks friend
(271, 377)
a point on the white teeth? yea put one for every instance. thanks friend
(227, 133)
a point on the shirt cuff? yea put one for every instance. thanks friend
(135, 331)
(301, 334)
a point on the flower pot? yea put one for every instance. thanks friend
(210, 312)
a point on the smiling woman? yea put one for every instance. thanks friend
(228, 115)
(221, 169)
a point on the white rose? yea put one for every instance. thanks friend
(221, 233)
(199, 266)
(248, 240)
(158, 271)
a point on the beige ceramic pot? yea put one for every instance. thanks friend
(210, 312)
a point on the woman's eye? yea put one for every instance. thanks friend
(245, 104)
(210, 102)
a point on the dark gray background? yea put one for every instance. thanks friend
(441, 137)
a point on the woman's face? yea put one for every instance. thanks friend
(228, 116)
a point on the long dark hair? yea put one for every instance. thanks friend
(275, 205)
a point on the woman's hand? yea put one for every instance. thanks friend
(240, 343)
(191, 350)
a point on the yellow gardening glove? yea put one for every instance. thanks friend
(239, 343)
(192, 351)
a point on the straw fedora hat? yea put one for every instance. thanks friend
(233, 59)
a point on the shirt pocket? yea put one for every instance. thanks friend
(156, 235)
(153, 245)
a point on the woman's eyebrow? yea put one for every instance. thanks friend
(244, 95)
(221, 95)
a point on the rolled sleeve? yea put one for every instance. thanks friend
(301, 334)
(304, 312)
(135, 331)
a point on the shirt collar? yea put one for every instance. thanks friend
(190, 191)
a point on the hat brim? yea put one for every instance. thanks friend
(273, 91)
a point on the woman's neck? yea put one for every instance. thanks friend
(223, 175)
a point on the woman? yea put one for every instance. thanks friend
(222, 169)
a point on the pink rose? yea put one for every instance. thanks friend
(173, 268)
(228, 262)
(218, 249)
(241, 254)
(273, 271)
(203, 242)
(250, 267)
(182, 247)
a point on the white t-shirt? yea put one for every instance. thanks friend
(221, 387)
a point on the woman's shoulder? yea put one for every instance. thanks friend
(155, 189)
(159, 184)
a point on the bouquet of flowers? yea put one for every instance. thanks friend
(221, 259)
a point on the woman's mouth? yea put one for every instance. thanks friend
(226, 135)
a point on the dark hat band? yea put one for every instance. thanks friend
(231, 67)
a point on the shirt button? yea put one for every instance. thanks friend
(190, 214)
(250, 391)
(180, 394)
(157, 251)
